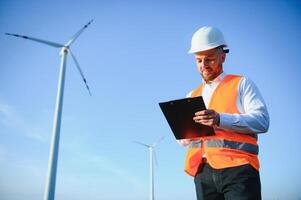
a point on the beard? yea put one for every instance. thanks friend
(209, 75)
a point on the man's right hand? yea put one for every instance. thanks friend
(184, 142)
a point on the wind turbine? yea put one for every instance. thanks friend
(152, 157)
(54, 148)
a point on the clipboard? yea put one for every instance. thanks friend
(179, 114)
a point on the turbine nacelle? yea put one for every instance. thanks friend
(64, 50)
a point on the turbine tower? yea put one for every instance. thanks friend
(54, 148)
(152, 157)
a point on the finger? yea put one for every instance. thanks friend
(202, 121)
(207, 122)
(202, 112)
(204, 117)
(198, 118)
(209, 111)
(205, 112)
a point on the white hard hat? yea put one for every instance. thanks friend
(206, 38)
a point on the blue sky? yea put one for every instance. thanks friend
(134, 55)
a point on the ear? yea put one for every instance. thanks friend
(223, 57)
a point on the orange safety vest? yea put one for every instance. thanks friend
(225, 148)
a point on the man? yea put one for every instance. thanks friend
(224, 166)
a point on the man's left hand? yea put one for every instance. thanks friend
(207, 117)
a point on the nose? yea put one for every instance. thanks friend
(203, 63)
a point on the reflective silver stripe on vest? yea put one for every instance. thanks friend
(195, 144)
(250, 148)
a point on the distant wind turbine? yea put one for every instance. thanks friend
(54, 148)
(152, 157)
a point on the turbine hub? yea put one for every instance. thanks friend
(64, 50)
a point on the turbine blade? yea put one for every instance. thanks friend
(140, 143)
(156, 143)
(80, 71)
(53, 44)
(155, 157)
(76, 35)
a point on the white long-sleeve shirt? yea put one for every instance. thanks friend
(254, 117)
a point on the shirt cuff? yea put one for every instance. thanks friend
(227, 120)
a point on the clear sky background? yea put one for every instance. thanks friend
(134, 55)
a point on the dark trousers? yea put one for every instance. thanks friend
(234, 183)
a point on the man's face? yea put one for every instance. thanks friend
(209, 63)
